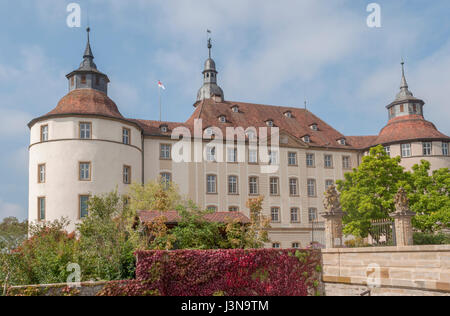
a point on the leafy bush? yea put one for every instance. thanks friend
(431, 239)
(262, 272)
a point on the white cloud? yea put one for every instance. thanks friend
(11, 210)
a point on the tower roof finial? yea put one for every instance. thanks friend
(404, 91)
(209, 42)
(88, 50)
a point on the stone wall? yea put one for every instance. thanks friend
(414, 270)
(85, 289)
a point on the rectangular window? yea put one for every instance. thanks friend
(274, 186)
(296, 245)
(253, 156)
(275, 214)
(166, 179)
(293, 187)
(126, 136)
(310, 160)
(126, 174)
(44, 133)
(41, 209)
(328, 161)
(406, 150)
(85, 171)
(212, 209)
(312, 215)
(233, 185)
(292, 159)
(233, 209)
(211, 154)
(276, 245)
(83, 79)
(387, 149)
(253, 186)
(84, 206)
(85, 130)
(312, 188)
(295, 215)
(41, 173)
(328, 184)
(232, 155)
(211, 184)
(165, 152)
(445, 149)
(346, 162)
(427, 148)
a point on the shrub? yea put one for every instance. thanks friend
(262, 272)
(431, 239)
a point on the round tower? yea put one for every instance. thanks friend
(409, 135)
(81, 148)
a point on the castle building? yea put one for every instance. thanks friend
(85, 147)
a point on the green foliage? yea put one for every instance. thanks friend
(429, 197)
(154, 196)
(194, 232)
(431, 239)
(12, 233)
(43, 259)
(108, 239)
(368, 192)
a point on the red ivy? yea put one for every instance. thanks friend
(263, 272)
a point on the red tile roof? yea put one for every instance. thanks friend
(361, 142)
(256, 115)
(173, 217)
(408, 128)
(86, 101)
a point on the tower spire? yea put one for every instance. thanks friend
(404, 89)
(88, 50)
(210, 89)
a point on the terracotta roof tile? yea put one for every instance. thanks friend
(173, 217)
(86, 101)
(407, 128)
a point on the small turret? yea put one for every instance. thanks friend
(210, 89)
(87, 75)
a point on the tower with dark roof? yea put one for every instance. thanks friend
(87, 76)
(405, 103)
(210, 88)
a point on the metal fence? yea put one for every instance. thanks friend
(318, 234)
(382, 233)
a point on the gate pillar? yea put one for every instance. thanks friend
(333, 216)
(402, 217)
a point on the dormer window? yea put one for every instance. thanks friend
(307, 139)
(314, 127)
(209, 131)
(288, 114)
(222, 119)
(342, 141)
(270, 123)
(164, 128)
(235, 109)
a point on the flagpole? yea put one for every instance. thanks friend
(160, 107)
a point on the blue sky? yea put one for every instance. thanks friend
(269, 52)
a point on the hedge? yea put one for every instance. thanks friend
(264, 272)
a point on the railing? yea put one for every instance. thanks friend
(382, 233)
(318, 234)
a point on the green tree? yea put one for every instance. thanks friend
(368, 192)
(108, 239)
(12, 234)
(154, 196)
(251, 236)
(429, 197)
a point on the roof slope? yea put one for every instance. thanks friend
(86, 101)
